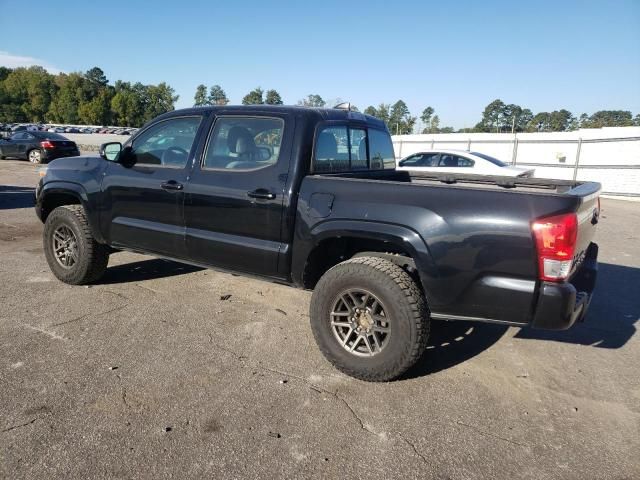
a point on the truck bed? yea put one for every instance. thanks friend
(477, 230)
(546, 186)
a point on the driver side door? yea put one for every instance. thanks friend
(143, 192)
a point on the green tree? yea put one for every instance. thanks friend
(435, 124)
(636, 120)
(97, 111)
(426, 115)
(200, 98)
(159, 99)
(65, 105)
(272, 97)
(400, 121)
(29, 92)
(583, 121)
(217, 96)
(4, 73)
(492, 116)
(128, 104)
(95, 82)
(312, 100)
(254, 97)
(610, 118)
(561, 120)
(371, 110)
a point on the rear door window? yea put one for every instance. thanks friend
(244, 143)
(344, 148)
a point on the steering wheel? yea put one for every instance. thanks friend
(171, 153)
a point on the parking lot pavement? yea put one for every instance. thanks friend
(165, 370)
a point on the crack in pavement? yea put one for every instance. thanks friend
(489, 434)
(81, 317)
(413, 447)
(320, 389)
(20, 426)
(123, 392)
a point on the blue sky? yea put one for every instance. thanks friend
(455, 56)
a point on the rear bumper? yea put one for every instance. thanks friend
(52, 154)
(560, 305)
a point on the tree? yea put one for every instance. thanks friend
(254, 97)
(492, 115)
(128, 104)
(400, 121)
(583, 121)
(312, 100)
(217, 96)
(29, 91)
(4, 73)
(200, 98)
(371, 110)
(97, 111)
(97, 77)
(435, 124)
(159, 99)
(610, 118)
(273, 98)
(636, 120)
(426, 115)
(64, 107)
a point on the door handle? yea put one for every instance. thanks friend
(262, 193)
(171, 185)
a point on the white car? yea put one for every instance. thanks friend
(460, 161)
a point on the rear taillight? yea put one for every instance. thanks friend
(47, 144)
(555, 242)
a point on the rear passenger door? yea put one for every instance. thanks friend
(235, 196)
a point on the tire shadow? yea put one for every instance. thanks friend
(452, 343)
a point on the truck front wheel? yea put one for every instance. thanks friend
(369, 319)
(71, 251)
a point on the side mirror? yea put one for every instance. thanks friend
(110, 151)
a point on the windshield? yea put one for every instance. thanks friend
(488, 158)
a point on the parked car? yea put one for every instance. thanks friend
(460, 161)
(269, 191)
(37, 147)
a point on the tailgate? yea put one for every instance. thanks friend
(588, 214)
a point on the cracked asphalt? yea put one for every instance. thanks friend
(163, 370)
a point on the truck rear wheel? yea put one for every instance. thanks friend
(369, 319)
(71, 251)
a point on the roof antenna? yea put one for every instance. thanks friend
(344, 106)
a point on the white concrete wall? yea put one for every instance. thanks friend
(614, 162)
(92, 141)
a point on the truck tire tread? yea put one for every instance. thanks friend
(406, 294)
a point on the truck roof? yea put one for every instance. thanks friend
(312, 113)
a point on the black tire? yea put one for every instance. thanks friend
(92, 257)
(406, 310)
(36, 153)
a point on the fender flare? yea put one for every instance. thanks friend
(401, 237)
(73, 189)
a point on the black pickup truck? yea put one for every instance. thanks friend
(311, 198)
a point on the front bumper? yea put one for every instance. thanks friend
(560, 305)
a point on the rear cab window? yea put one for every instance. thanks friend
(348, 148)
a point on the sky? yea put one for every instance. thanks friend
(455, 56)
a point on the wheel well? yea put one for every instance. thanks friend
(330, 252)
(55, 200)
